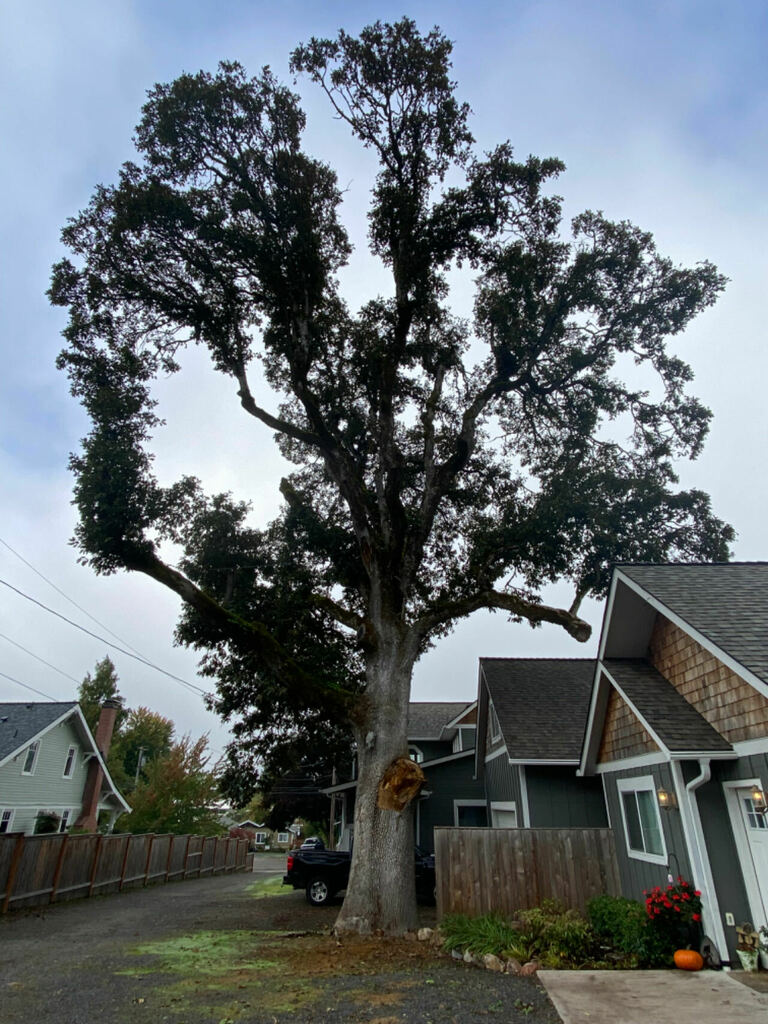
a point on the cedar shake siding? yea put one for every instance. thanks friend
(623, 734)
(734, 708)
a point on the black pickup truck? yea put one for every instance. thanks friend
(323, 873)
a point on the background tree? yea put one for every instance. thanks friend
(146, 734)
(442, 464)
(97, 688)
(177, 793)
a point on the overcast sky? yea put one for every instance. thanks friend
(659, 112)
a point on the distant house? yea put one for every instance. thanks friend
(441, 739)
(53, 769)
(678, 734)
(265, 838)
(532, 713)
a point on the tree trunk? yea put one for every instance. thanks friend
(381, 895)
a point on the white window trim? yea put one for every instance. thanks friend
(493, 718)
(413, 749)
(260, 841)
(467, 803)
(65, 815)
(505, 805)
(642, 783)
(9, 811)
(72, 764)
(36, 746)
(283, 837)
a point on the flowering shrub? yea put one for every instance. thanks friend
(675, 912)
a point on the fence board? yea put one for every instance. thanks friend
(36, 870)
(484, 870)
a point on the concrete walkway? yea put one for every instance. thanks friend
(653, 997)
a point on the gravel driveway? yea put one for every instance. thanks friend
(210, 951)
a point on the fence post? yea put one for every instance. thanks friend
(186, 856)
(95, 865)
(149, 857)
(59, 865)
(168, 860)
(17, 851)
(128, 839)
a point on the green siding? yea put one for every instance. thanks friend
(635, 874)
(46, 789)
(557, 798)
(446, 782)
(502, 783)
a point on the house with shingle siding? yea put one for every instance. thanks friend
(678, 734)
(532, 713)
(51, 764)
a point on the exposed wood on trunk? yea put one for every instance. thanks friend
(399, 785)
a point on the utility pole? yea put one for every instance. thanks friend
(139, 764)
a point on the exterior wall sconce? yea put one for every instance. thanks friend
(667, 800)
(758, 800)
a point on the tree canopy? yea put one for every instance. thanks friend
(442, 463)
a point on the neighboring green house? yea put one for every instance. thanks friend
(52, 769)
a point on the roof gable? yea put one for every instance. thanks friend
(541, 704)
(21, 722)
(427, 719)
(726, 604)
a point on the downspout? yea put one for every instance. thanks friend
(694, 835)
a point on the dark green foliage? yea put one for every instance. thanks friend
(441, 465)
(97, 688)
(46, 823)
(623, 925)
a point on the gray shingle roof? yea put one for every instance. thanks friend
(20, 722)
(541, 703)
(727, 603)
(426, 719)
(677, 723)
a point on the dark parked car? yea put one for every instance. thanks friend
(322, 873)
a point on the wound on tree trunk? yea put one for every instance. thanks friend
(399, 784)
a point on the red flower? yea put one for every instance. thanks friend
(697, 892)
(696, 917)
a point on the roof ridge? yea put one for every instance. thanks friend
(539, 658)
(683, 565)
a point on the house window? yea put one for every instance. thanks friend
(755, 819)
(642, 824)
(415, 754)
(30, 761)
(260, 838)
(6, 818)
(470, 814)
(283, 837)
(69, 764)
(495, 727)
(503, 814)
(63, 824)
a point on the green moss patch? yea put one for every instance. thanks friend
(272, 886)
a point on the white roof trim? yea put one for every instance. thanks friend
(709, 645)
(449, 757)
(454, 722)
(542, 760)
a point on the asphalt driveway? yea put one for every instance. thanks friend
(213, 951)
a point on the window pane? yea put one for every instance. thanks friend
(649, 820)
(29, 762)
(633, 822)
(472, 817)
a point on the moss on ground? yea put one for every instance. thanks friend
(272, 886)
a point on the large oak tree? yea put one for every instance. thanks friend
(442, 465)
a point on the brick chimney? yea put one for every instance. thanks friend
(89, 815)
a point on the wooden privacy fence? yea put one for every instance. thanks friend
(49, 868)
(502, 870)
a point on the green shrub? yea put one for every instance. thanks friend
(480, 935)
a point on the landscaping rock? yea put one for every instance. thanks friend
(492, 963)
(457, 954)
(530, 968)
(425, 934)
(513, 966)
(469, 957)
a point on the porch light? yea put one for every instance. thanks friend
(758, 800)
(666, 799)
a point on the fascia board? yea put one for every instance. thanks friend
(455, 722)
(735, 666)
(595, 720)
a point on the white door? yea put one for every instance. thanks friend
(751, 834)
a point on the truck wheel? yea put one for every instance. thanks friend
(318, 891)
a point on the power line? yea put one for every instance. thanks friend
(65, 596)
(26, 687)
(38, 658)
(102, 640)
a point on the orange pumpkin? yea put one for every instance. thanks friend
(688, 960)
